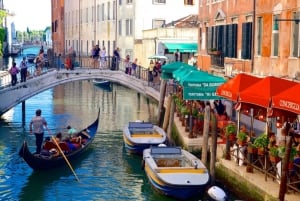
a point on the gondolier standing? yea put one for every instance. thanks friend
(37, 125)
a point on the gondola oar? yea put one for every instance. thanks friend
(62, 153)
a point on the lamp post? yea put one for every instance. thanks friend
(276, 25)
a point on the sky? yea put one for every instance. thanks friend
(35, 14)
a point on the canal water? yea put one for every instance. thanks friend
(106, 172)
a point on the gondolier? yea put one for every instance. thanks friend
(37, 125)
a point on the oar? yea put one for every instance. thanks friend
(62, 153)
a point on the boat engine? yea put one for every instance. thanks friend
(217, 193)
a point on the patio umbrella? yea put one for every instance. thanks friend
(288, 99)
(262, 92)
(232, 87)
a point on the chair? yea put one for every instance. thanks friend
(64, 147)
(49, 145)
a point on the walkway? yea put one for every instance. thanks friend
(255, 181)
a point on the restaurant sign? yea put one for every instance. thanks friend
(289, 105)
(191, 93)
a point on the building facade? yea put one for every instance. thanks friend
(58, 31)
(271, 47)
(118, 23)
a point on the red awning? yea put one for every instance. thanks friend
(288, 99)
(262, 92)
(232, 87)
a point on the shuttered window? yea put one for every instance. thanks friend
(246, 40)
(295, 36)
(276, 38)
(223, 38)
(259, 35)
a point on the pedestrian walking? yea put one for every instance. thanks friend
(13, 72)
(23, 66)
(102, 58)
(36, 126)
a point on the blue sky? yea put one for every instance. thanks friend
(35, 14)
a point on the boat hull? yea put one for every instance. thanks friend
(136, 140)
(173, 178)
(39, 162)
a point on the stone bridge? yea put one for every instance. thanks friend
(13, 95)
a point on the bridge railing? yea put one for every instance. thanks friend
(59, 63)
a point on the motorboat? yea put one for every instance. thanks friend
(139, 135)
(175, 172)
(101, 82)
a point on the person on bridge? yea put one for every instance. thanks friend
(36, 126)
(23, 66)
(13, 72)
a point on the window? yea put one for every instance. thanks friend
(86, 15)
(159, 1)
(129, 27)
(108, 9)
(120, 2)
(120, 27)
(158, 23)
(259, 35)
(188, 2)
(129, 1)
(114, 10)
(98, 13)
(246, 40)
(275, 46)
(92, 17)
(102, 11)
(223, 38)
(295, 36)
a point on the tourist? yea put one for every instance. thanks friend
(102, 58)
(177, 55)
(115, 59)
(13, 72)
(71, 131)
(36, 126)
(134, 66)
(23, 66)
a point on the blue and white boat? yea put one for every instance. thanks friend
(175, 172)
(140, 135)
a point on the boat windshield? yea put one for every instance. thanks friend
(165, 150)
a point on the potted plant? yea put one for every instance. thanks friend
(261, 143)
(214, 51)
(251, 148)
(293, 153)
(230, 131)
(242, 138)
(274, 155)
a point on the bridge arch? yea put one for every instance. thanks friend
(11, 96)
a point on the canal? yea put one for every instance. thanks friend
(106, 172)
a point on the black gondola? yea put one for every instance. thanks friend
(40, 162)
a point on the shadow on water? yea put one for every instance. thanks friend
(39, 181)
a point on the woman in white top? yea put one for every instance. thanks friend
(102, 58)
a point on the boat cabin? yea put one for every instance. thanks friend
(140, 127)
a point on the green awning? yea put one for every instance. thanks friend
(166, 76)
(169, 69)
(182, 47)
(200, 85)
(180, 73)
(201, 79)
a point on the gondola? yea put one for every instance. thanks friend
(41, 162)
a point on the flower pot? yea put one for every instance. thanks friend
(260, 151)
(241, 142)
(274, 159)
(252, 150)
(231, 137)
